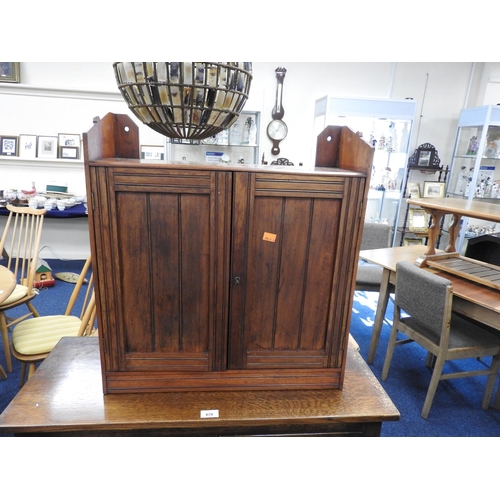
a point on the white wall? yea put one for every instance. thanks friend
(440, 89)
(61, 97)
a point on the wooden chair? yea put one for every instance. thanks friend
(427, 300)
(33, 339)
(369, 276)
(20, 245)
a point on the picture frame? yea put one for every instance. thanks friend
(425, 157)
(69, 142)
(27, 146)
(69, 152)
(418, 220)
(152, 153)
(9, 145)
(412, 241)
(434, 189)
(46, 147)
(413, 190)
(10, 72)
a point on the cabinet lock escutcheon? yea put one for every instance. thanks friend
(237, 280)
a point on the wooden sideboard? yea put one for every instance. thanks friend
(223, 277)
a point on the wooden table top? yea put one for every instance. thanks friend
(471, 208)
(7, 283)
(65, 394)
(468, 290)
(389, 257)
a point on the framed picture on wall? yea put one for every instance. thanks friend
(69, 152)
(434, 189)
(27, 146)
(9, 72)
(419, 221)
(71, 141)
(425, 157)
(414, 190)
(8, 146)
(46, 147)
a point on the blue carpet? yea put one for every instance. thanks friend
(456, 409)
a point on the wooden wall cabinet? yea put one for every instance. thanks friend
(223, 277)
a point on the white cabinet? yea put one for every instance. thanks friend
(475, 167)
(387, 125)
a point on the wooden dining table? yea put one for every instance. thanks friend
(7, 284)
(474, 300)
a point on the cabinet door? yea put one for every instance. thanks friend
(294, 248)
(161, 235)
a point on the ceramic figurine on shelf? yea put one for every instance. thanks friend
(462, 179)
(490, 151)
(496, 141)
(249, 131)
(494, 190)
(473, 146)
(30, 192)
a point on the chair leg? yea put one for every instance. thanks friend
(31, 307)
(31, 370)
(430, 360)
(23, 374)
(5, 340)
(490, 384)
(2, 373)
(496, 403)
(431, 391)
(383, 298)
(390, 351)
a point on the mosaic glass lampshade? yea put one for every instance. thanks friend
(185, 100)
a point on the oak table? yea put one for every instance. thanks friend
(7, 284)
(471, 299)
(457, 207)
(64, 397)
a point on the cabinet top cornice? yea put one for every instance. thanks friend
(128, 163)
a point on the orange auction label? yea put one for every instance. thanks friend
(269, 237)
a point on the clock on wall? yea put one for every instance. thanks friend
(277, 129)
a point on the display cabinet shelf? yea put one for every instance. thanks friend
(239, 144)
(475, 167)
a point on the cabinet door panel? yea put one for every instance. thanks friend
(167, 240)
(284, 256)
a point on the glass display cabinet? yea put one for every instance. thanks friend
(239, 144)
(387, 125)
(475, 167)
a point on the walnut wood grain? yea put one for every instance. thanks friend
(65, 396)
(223, 277)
